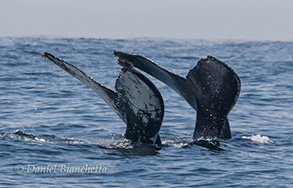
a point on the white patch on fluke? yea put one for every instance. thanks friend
(258, 139)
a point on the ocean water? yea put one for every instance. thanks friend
(56, 132)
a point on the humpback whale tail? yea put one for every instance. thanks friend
(211, 87)
(137, 101)
(216, 87)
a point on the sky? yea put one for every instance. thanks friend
(119, 19)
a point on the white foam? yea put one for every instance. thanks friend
(176, 143)
(40, 139)
(258, 139)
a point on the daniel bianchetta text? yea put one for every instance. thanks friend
(61, 169)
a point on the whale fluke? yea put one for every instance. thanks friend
(211, 87)
(137, 101)
(216, 87)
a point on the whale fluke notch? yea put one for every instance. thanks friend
(137, 101)
(201, 89)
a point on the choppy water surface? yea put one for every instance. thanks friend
(54, 131)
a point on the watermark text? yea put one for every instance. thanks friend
(61, 169)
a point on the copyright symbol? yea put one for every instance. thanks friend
(19, 169)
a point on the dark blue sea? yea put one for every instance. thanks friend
(56, 132)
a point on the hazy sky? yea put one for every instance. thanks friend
(191, 19)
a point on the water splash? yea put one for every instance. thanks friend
(20, 135)
(258, 139)
(177, 143)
